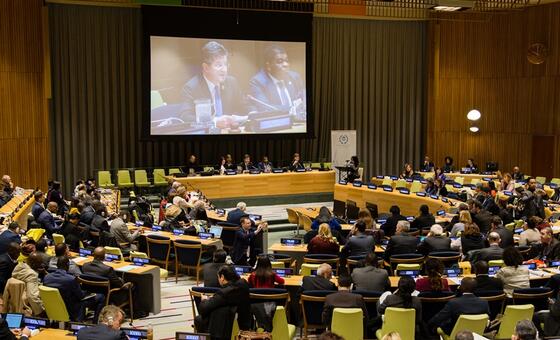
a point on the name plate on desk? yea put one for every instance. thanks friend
(380, 177)
(409, 180)
(421, 194)
(381, 221)
(493, 270)
(388, 189)
(290, 241)
(111, 257)
(486, 179)
(508, 193)
(231, 172)
(277, 170)
(254, 172)
(394, 178)
(240, 270)
(423, 181)
(413, 273)
(553, 185)
(205, 236)
(357, 184)
(139, 223)
(435, 197)
(178, 232)
(156, 228)
(135, 334)
(404, 191)
(453, 272)
(342, 182)
(283, 272)
(457, 185)
(35, 323)
(410, 218)
(85, 252)
(300, 170)
(220, 212)
(140, 261)
(530, 266)
(440, 212)
(351, 221)
(314, 272)
(444, 199)
(372, 186)
(554, 264)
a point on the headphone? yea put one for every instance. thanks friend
(110, 321)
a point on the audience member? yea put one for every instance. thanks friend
(235, 215)
(428, 165)
(72, 233)
(244, 244)
(407, 171)
(548, 249)
(488, 202)
(459, 227)
(198, 212)
(517, 175)
(524, 330)
(506, 235)
(264, 276)
(61, 249)
(40, 250)
(7, 334)
(435, 241)
(424, 220)
(513, 275)
(343, 299)
(365, 216)
(434, 282)
(402, 298)
(329, 336)
(321, 281)
(505, 211)
(55, 195)
(11, 234)
(494, 251)
(358, 243)
(531, 234)
(210, 270)
(483, 281)
(38, 206)
(8, 262)
(401, 242)
(550, 320)
(48, 219)
(123, 235)
(97, 267)
(325, 216)
(390, 226)
(28, 272)
(324, 242)
(464, 335)
(448, 164)
(109, 327)
(99, 221)
(471, 239)
(369, 277)
(439, 187)
(480, 216)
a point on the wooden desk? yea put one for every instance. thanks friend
(302, 248)
(247, 185)
(19, 214)
(467, 177)
(409, 204)
(54, 334)
(208, 242)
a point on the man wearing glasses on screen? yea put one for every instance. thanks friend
(277, 88)
(213, 98)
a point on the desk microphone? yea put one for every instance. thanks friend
(262, 103)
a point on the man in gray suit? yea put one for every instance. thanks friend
(343, 299)
(494, 252)
(370, 277)
(358, 243)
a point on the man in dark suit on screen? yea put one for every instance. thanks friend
(215, 87)
(275, 87)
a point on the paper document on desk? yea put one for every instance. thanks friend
(554, 270)
(79, 259)
(556, 228)
(538, 273)
(126, 268)
(455, 280)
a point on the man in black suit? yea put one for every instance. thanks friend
(8, 236)
(401, 242)
(38, 206)
(244, 245)
(390, 226)
(217, 312)
(343, 299)
(493, 252)
(485, 282)
(235, 215)
(86, 215)
(247, 165)
(322, 281)
(48, 220)
(435, 241)
(506, 235)
(481, 217)
(488, 201)
(8, 262)
(97, 267)
(358, 243)
(425, 220)
(517, 175)
(7, 334)
(99, 221)
(216, 86)
(468, 303)
(210, 270)
(110, 320)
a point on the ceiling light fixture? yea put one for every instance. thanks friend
(474, 129)
(473, 115)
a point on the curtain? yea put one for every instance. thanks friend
(367, 75)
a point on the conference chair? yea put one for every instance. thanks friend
(448, 258)
(496, 263)
(540, 180)
(173, 171)
(315, 166)
(327, 165)
(58, 238)
(159, 177)
(555, 181)
(433, 302)
(411, 258)
(387, 181)
(401, 320)
(293, 218)
(306, 268)
(401, 184)
(496, 301)
(281, 329)
(196, 296)
(99, 284)
(115, 251)
(312, 303)
(475, 323)
(339, 209)
(187, 255)
(305, 222)
(348, 323)
(286, 260)
(35, 234)
(141, 179)
(123, 179)
(54, 305)
(415, 187)
(104, 179)
(279, 296)
(353, 261)
(373, 209)
(228, 234)
(331, 259)
(460, 180)
(162, 272)
(538, 297)
(512, 315)
(159, 249)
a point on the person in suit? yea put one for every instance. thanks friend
(548, 249)
(86, 215)
(97, 267)
(401, 242)
(38, 206)
(485, 282)
(72, 233)
(216, 86)
(480, 216)
(247, 165)
(48, 219)
(192, 166)
(322, 281)
(62, 249)
(493, 252)
(550, 320)
(506, 235)
(215, 312)
(489, 203)
(8, 262)
(517, 175)
(210, 270)
(276, 87)
(55, 195)
(359, 243)
(28, 272)
(424, 220)
(71, 292)
(265, 165)
(343, 299)
(9, 235)
(235, 215)
(468, 303)
(296, 163)
(243, 250)
(122, 233)
(7, 334)
(109, 327)
(390, 226)
(99, 220)
(435, 241)
(369, 277)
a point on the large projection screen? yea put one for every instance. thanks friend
(206, 86)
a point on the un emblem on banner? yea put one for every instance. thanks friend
(343, 139)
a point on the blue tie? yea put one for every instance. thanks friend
(217, 101)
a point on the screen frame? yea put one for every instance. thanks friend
(231, 24)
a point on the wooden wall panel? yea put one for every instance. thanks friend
(23, 106)
(482, 64)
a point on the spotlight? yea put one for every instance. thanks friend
(473, 115)
(474, 129)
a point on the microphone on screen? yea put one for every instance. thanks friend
(262, 103)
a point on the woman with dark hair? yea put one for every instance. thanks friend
(531, 234)
(472, 166)
(402, 298)
(325, 216)
(264, 276)
(408, 172)
(434, 282)
(440, 188)
(430, 188)
(439, 174)
(354, 165)
(471, 238)
(513, 275)
(448, 165)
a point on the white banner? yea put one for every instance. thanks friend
(343, 146)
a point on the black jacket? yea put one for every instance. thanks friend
(434, 243)
(471, 242)
(483, 220)
(235, 294)
(99, 268)
(390, 226)
(210, 273)
(543, 252)
(423, 221)
(317, 283)
(6, 268)
(506, 237)
(401, 244)
(487, 283)
(490, 253)
(100, 331)
(466, 304)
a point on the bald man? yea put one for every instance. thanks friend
(48, 219)
(322, 281)
(97, 267)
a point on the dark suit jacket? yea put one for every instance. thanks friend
(401, 244)
(483, 220)
(99, 223)
(342, 299)
(69, 290)
(434, 243)
(466, 304)
(490, 205)
(235, 294)
(551, 252)
(471, 242)
(6, 238)
(6, 334)
(486, 283)
(490, 253)
(317, 283)
(423, 221)
(100, 331)
(506, 237)
(87, 215)
(235, 215)
(241, 241)
(359, 244)
(98, 268)
(197, 88)
(263, 88)
(46, 220)
(37, 209)
(7, 266)
(210, 273)
(390, 225)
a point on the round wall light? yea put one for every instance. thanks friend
(473, 115)
(474, 129)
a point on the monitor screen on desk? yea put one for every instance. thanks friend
(35, 323)
(290, 241)
(75, 327)
(216, 230)
(13, 320)
(135, 334)
(191, 336)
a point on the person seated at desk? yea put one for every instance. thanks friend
(247, 165)
(265, 165)
(296, 163)
(524, 330)
(49, 220)
(7, 334)
(122, 234)
(505, 212)
(264, 276)
(471, 166)
(448, 164)
(40, 250)
(62, 249)
(8, 261)
(55, 195)
(230, 164)
(507, 183)
(390, 226)
(97, 267)
(99, 221)
(344, 298)
(556, 196)
(402, 298)
(109, 327)
(321, 281)
(324, 242)
(424, 220)
(7, 192)
(359, 243)
(235, 215)
(548, 249)
(466, 304)
(354, 172)
(72, 232)
(480, 216)
(459, 227)
(11, 234)
(434, 282)
(210, 270)
(370, 277)
(38, 206)
(198, 212)
(493, 251)
(181, 199)
(215, 313)
(439, 174)
(489, 202)
(471, 239)
(428, 165)
(517, 175)
(434, 241)
(244, 244)
(439, 188)
(483, 281)
(28, 272)
(72, 295)
(401, 242)
(408, 171)
(325, 216)
(192, 166)
(550, 321)
(513, 275)
(506, 235)
(174, 219)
